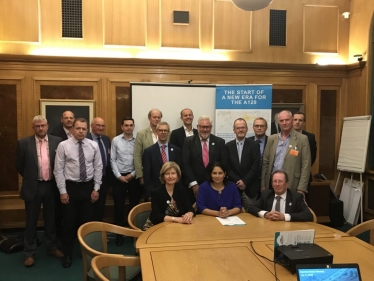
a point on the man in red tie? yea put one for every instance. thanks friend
(35, 162)
(198, 152)
(155, 156)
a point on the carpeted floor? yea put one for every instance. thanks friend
(49, 268)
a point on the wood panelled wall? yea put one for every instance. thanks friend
(218, 30)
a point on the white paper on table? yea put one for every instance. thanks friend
(233, 220)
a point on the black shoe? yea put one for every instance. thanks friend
(119, 240)
(66, 261)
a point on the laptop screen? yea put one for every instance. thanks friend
(330, 272)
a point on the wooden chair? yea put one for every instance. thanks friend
(103, 265)
(362, 227)
(93, 240)
(314, 215)
(139, 215)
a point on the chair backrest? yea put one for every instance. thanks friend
(362, 227)
(313, 214)
(101, 266)
(92, 238)
(139, 215)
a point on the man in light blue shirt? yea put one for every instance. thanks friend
(122, 162)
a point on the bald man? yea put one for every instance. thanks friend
(96, 134)
(63, 130)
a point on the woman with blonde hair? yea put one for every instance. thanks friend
(169, 201)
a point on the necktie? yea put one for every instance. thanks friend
(82, 163)
(277, 204)
(261, 153)
(45, 162)
(103, 155)
(205, 154)
(163, 154)
(240, 148)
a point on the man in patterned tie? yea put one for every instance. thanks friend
(198, 152)
(35, 162)
(78, 172)
(155, 156)
(280, 203)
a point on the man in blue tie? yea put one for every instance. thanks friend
(96, 134)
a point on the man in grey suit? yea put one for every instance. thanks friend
(288, 151)
(35, 162)
(145, 138)
(96, 134)
(281, 203)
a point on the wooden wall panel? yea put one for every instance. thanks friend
(8, 136)
(153, 24)
(51, 26)
(232, 27)
(181, 36)
(19, 20)
(206, 25)
(125, 22)
(321, 28)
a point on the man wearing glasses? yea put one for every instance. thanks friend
(199, 151)
(155, 156)
(35, 162)
(281, 203)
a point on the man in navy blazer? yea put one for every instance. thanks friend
(63, 130)
(281, 203)
(35, 162)
(298, 124)
(96, 134)
(194, 168)
(178, 136)
(153, 160)
(244, 163)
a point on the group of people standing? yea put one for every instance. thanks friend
(69, 172)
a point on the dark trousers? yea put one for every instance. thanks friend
(44, 195)
(99, 205)
(58, 214)
(120, 191)
(78, 211)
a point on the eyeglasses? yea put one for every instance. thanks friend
(204, 127)
(240, 128)
(162, 131)
(259, 126)
(40, 126)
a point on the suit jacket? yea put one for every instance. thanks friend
(27, 164)
(152, 163)
(295, 205)
(312, 145)
(107, 146)
(59, 132)
(177, 137)
(192, 157)
(296, 166)
(159, 202)
(248, 169)
(266, 140)
(142, 141)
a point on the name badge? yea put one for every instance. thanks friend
(294, 152)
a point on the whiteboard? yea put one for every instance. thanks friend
(171, 99)
(354, 144)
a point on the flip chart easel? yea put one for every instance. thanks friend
(353, 153)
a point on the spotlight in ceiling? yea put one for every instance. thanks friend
(251, 5)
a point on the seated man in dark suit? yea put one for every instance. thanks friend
(155, 156)
(281, 203)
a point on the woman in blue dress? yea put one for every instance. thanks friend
(217, 197)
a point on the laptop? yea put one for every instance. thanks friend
(328, 272)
